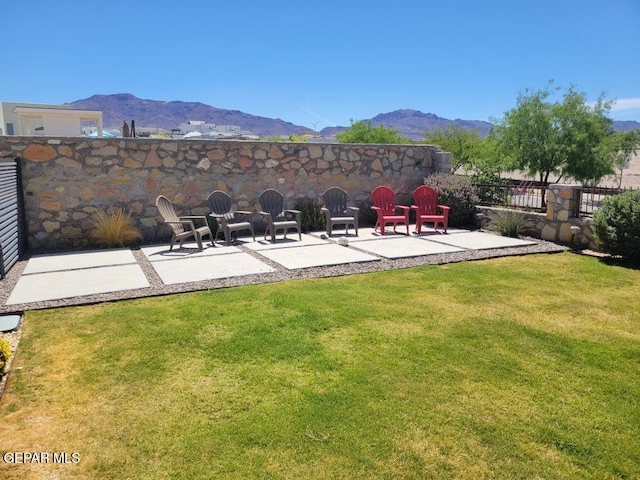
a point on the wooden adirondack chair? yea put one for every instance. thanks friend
(425, 203)
(182, 227)
(337, 212)
(220, 204)
(277, 218)
(384, 204)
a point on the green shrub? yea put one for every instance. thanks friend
(5, 354)
(616, 225)
(458, 193)
(489, 188)
(115, 229)
(311, 215)
(510, 223)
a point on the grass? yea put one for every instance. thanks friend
(521, 367)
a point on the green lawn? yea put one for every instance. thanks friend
(520, 367)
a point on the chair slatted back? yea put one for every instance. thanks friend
(220, 203)
(272, 202)
(426, 199)
(335, 200)
(385, 199)
(168, 213)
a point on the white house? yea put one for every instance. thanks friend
(24, 119)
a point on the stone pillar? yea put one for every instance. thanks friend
(562, 201)
(562, 214)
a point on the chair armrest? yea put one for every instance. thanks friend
(193, 217)
(324, 209)
(190, 218)
(267, 215)
(376, 209)
(181, 221)
(296, 213)
(403, 207)
(353, 209)
(244, 212)
(444, 207)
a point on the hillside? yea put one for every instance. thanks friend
(169, 115)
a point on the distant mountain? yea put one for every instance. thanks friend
(169, 115)
(121, 107)
(413, 123)
(626, 125)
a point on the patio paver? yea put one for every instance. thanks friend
(478, 241)
(318, 255)
(208, 267)
(53, 285)
(76, 260)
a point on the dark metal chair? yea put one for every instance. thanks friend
(277, 218)
(220, 204)
(337, 212)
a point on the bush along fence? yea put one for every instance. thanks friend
(67, 180)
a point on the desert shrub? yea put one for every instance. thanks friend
(489, 188)
(114, 229)
(311, 215)
(510, 223)
(5, 354)
(616, 225)
(458, 193)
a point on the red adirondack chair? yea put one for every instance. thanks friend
(384, 204)
(426, 206)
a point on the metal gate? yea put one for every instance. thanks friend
(12, 232)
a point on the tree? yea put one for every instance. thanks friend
(477, 155)
(567, 138)
(363, 132)
(621, 145)
(463, 143)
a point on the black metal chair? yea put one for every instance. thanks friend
(220, 204)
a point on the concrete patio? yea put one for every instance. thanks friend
(82, 277)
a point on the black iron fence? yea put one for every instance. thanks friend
(590, 198)
(531, 195)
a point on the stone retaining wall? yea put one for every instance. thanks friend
(66, 180)
(555, 225)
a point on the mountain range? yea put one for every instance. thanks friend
(156, 114)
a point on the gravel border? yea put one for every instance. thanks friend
(280, 273)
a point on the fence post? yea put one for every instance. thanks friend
(563, 207)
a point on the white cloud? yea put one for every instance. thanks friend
(626, 104)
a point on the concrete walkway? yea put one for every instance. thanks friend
(71, 275)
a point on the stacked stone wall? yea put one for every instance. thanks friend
(562, 214)
(66, 180)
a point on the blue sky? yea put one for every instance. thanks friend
(325, 63)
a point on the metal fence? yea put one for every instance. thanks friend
(528, 195)
(12, 231)
(590, 198)
(531, 195)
